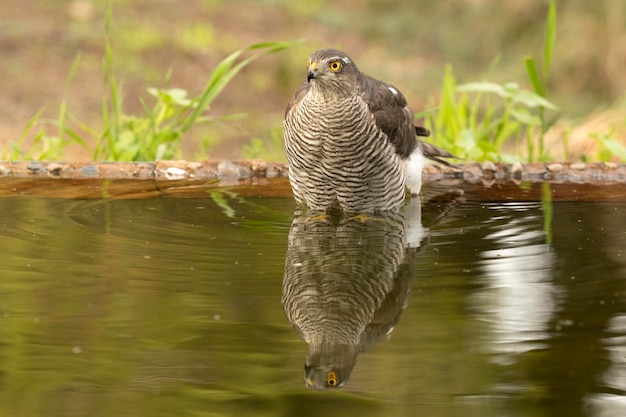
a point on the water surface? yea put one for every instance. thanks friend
(202, 301)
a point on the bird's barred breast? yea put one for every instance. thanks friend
(338, 156)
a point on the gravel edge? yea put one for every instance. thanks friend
(225, 171)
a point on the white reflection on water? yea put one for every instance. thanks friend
(608, 404)
(518, 299)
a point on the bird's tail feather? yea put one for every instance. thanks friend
(422, 131)
(435, 153)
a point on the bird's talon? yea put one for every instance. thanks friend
(317, 218)
(364, 217)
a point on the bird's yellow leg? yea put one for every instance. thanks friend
(364, 217)
(322, 217)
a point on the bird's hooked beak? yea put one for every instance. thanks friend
(312, 71)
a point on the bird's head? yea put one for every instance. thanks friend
(330, 69)
(328, 366)
(317, 378)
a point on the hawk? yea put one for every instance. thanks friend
(350, 139)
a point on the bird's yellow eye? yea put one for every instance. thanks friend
(334, 65)
(331, 377)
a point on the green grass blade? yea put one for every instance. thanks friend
(475, 110)
(225, 72)
(31, 122)
(99, 150)
(533, 76)
(114, 119)
(549, 39)
(530, 145)
(275, 46)
(221, 201)
(63, 106)
(505, 133)
(548, 212)
(75, 137)
(84, 127)
(446, 122)
(16, 146)
(612, 145)
(213, 87)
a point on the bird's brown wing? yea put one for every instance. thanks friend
(300, 93)
(392, 114)
(395, 118)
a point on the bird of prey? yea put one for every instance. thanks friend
(350, 139)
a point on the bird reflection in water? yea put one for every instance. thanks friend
(347, 281)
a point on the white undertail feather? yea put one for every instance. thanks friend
(414, 231)
(413, 171)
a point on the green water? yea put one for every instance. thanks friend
(177, 306)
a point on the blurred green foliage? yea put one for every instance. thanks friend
(476, 120)
(470, 123)
(407, 43)
(156, 134)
